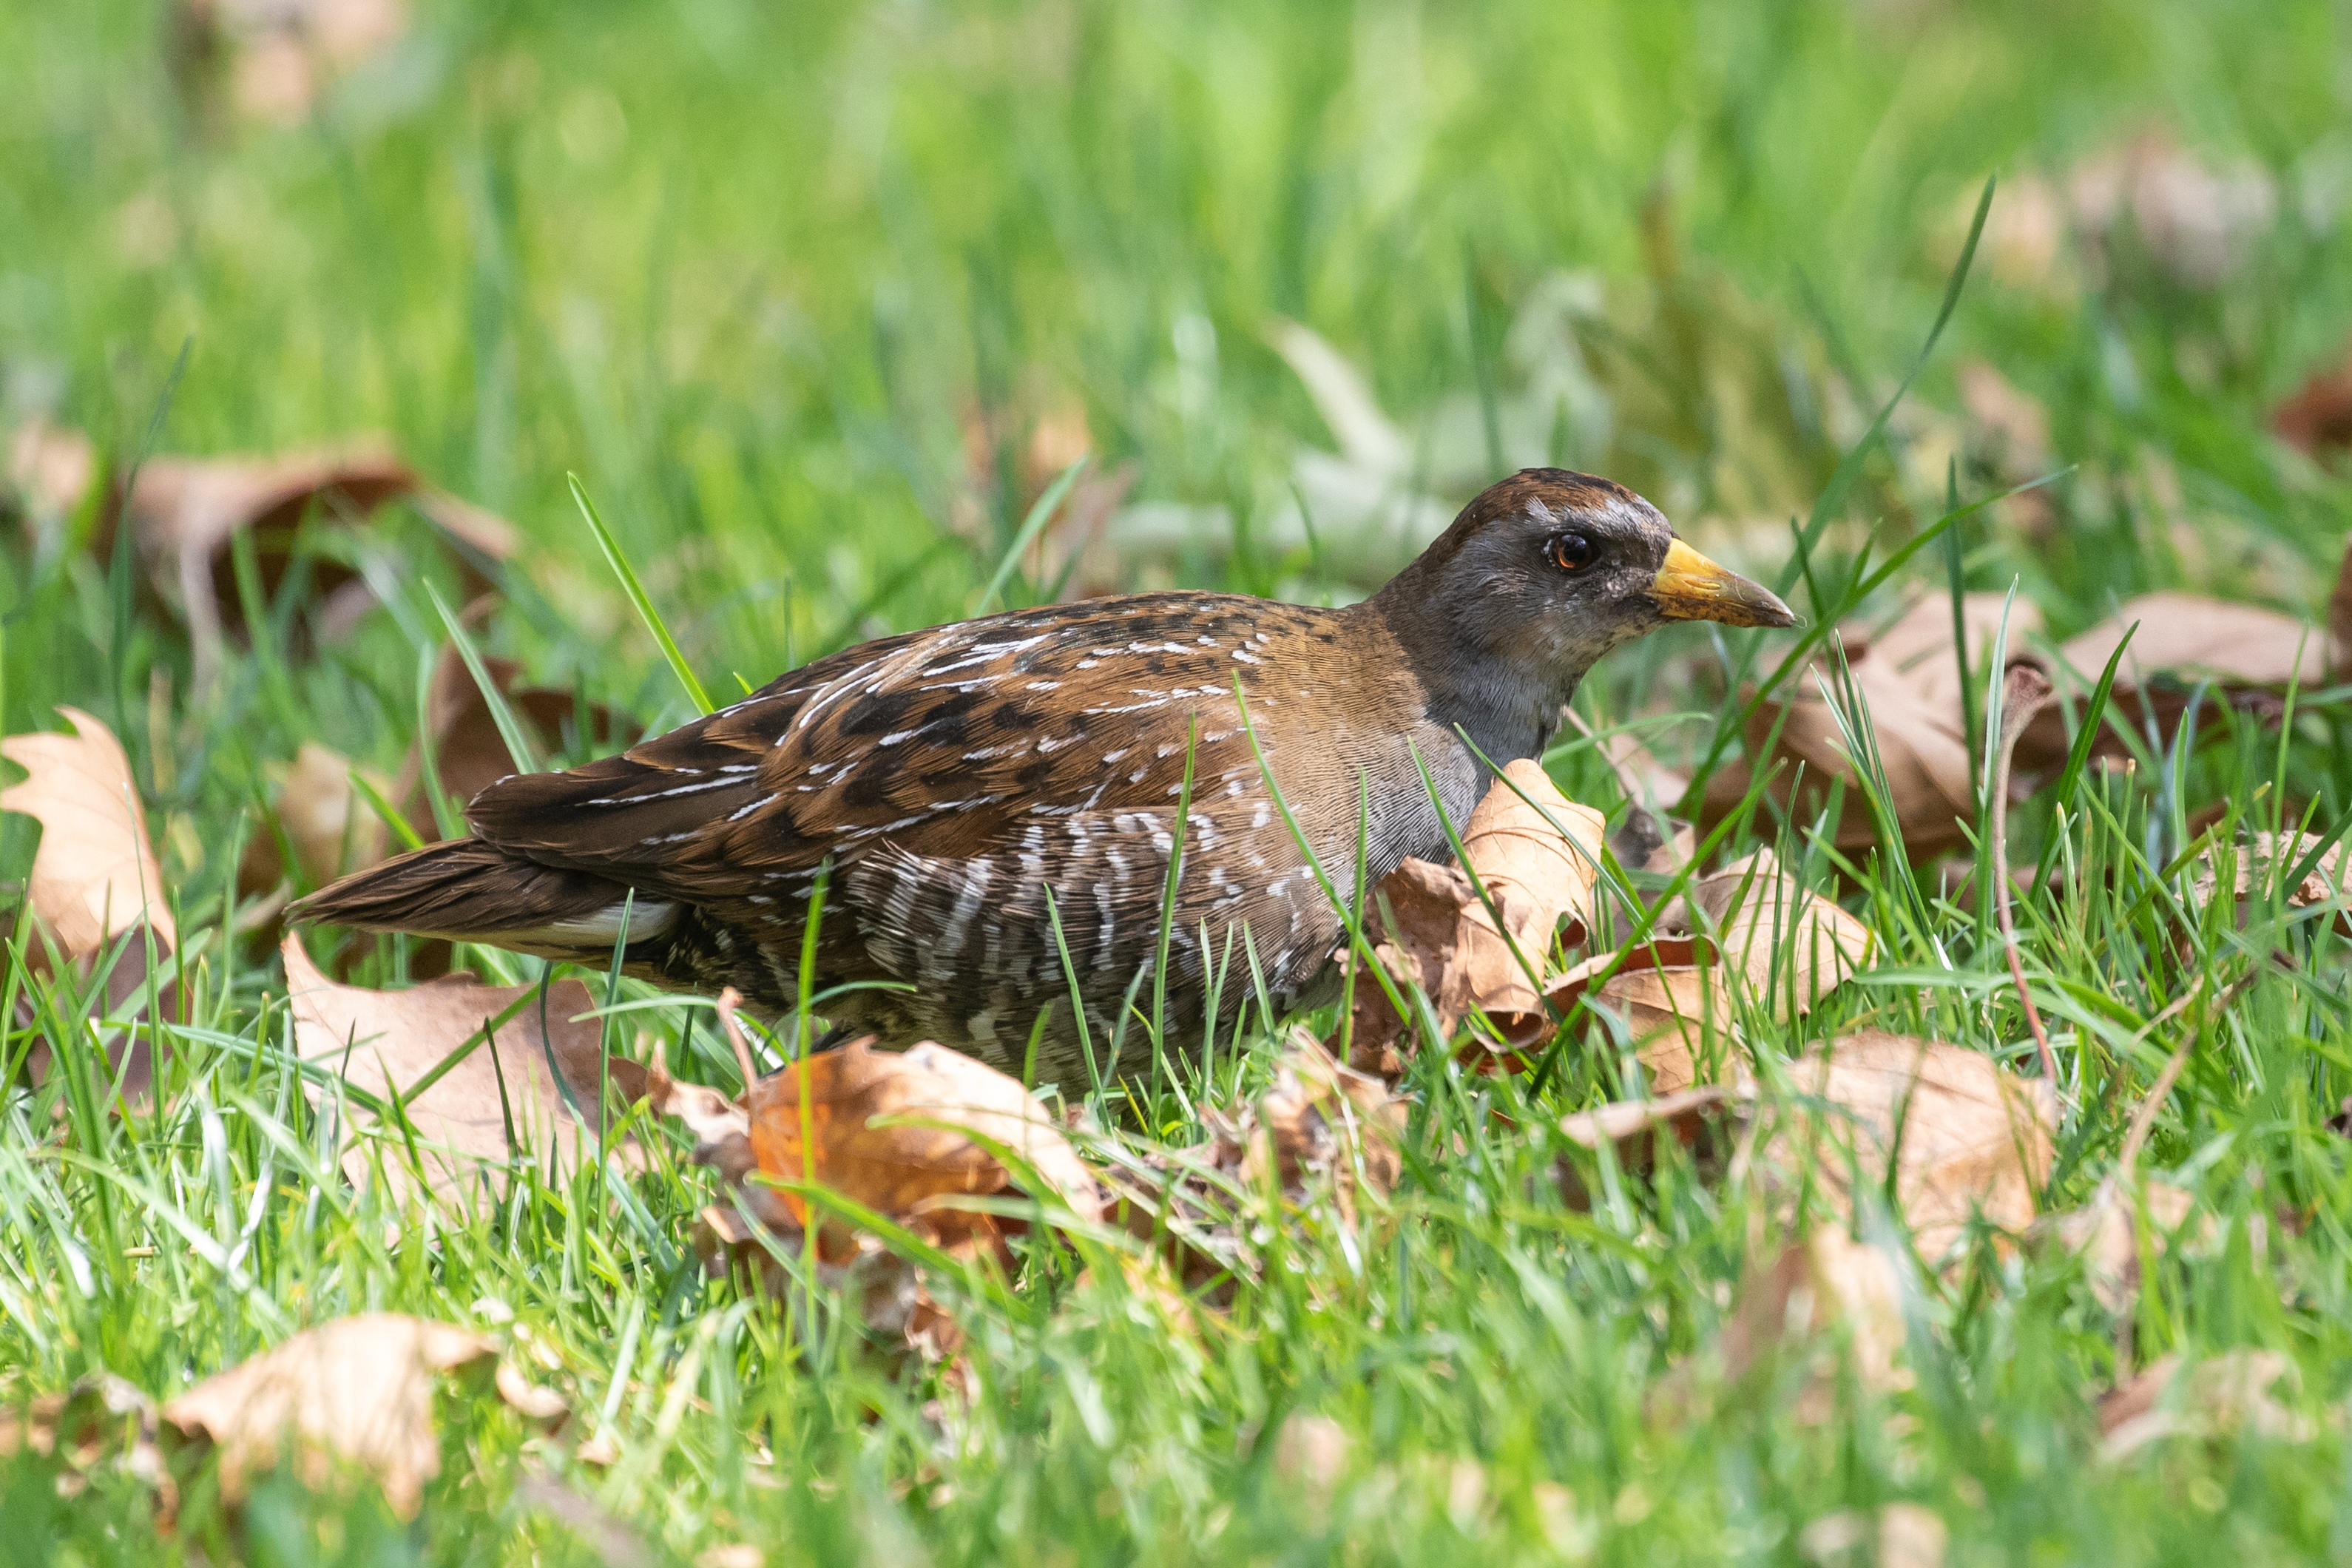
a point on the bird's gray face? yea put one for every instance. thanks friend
(1564, 570)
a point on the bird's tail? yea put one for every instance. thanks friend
(466, 889)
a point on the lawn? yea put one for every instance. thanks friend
(813, 306)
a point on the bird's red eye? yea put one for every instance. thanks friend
(1570, 552)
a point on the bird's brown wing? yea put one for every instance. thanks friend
(1025, 734)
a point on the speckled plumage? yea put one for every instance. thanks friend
(947, 780)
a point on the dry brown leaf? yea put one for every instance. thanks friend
(2010, 431)
(2266, 860)
(332, 829)
(94, 875)
(275, 57)
(2194, 637)
(1748, 924)
(1703, 1120)
(1817, 1294)
(903, 1134)
(1788, 946)
(897, 1131)
(95, 878)
(469, 754)
(354, 1395)
(1967, 1137)
(383, 1041)
(1904, 1535)
(2197, 224)
(1919, 645)
(50, 470)
(1538, 855)
(2317, 420)
(2237, 1392)
(184, 514)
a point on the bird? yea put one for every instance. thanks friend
(980, 818)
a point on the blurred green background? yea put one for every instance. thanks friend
(815, 298)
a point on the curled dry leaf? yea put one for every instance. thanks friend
(2239, 1392)
(2197, 224)
(902, 1134)
(1904, 1535)
(186, 513)
(354, 1395)
(95, 878)
(501, 1100)
(1537, 854)
(2317, 420)
(2266, 862)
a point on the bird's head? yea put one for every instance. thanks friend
(1546, 572)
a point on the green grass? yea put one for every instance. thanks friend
(758, 322)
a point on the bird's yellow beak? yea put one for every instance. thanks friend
(1690, 588)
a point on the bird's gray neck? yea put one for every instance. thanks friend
(1506, 711)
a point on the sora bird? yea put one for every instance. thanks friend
(991, 805)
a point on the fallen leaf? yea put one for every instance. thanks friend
(2265, 860)
(1787, 946)
(1826, 1289)
(2317, 420)
(94, 875)
(901, 1134)
(277, 58)
(1537, 854)
(386, 1040)
(184, 514)
(1703, 1120)
(2009, 430)
(2233, 1393)
(354, 1395)
(1966, 1137)
(2192, 638)
(95, 884)
(50, 470)
(2196, 223)
(1310, 1455)
(1919, 645)
(1905, 1534)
